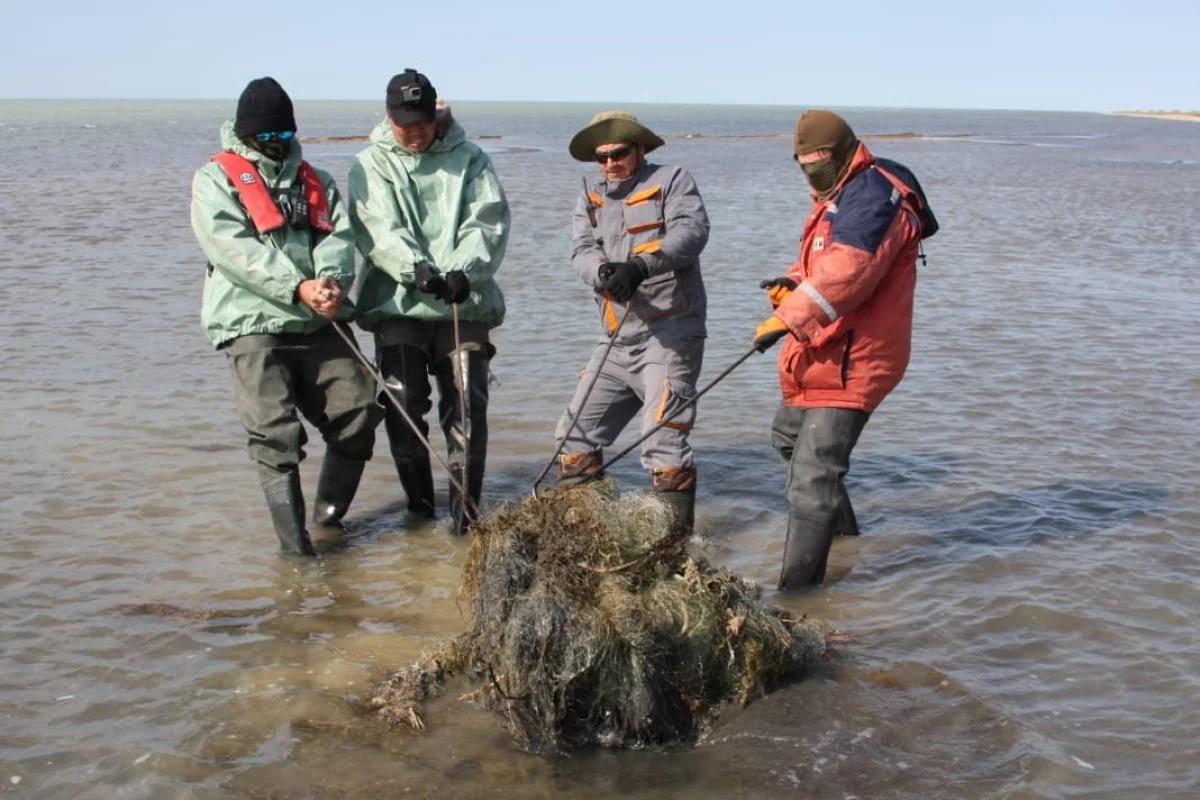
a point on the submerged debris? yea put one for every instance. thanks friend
(592, 624)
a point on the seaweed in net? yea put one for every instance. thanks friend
(592, 624)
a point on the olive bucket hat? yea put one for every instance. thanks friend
(612, 127)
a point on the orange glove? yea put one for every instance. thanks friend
(769, 332)
(778, 289)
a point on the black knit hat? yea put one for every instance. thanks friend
(411, 98)
(264, 107)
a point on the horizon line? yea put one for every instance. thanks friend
(592, 103)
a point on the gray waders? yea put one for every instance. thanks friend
(278, 377)
(816, 443)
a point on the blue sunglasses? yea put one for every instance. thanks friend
(275, 136)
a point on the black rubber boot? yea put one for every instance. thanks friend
(466, 440)
(806, 552)
(683, 505)
(336, 488)
(416, 478)
(406, 370)
(461, 517)
(286, 504)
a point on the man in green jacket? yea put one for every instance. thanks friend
(432, 222)
(280, 262)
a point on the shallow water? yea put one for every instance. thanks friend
(1023, 598)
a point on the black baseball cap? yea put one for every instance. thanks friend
(411, 98)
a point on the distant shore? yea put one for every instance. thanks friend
(1178, 116)
(906, 135)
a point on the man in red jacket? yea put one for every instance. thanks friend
(845, 308)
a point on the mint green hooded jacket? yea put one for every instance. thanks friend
(444, 207)
(252, 280)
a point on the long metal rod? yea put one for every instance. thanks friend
(460, 376)
(663, 422)
(387, 390)
(612, 339)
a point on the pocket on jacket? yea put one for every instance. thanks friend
(643, 211)
(829, 365)
(660, 296)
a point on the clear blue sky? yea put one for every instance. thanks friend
(1054, 54)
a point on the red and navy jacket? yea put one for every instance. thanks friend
(851, 313)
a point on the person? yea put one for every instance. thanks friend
(432, 222)
(845, 311)
(280, 262)
(637, 235)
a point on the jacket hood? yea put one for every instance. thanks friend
(382, 137)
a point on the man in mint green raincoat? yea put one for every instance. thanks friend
(280, 262)
(432, 222)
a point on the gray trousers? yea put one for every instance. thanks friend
(816, 442)
(277, 375)
(652, 377)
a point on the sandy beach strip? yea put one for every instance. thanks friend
(1178, 116)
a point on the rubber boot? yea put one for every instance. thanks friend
(336, 488)
(847, 521)
(286, 504)
(462, 517)
(577, 468)
(806, 552)
(676, 487)
(416, 478)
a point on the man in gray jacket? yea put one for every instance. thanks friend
(636, 240)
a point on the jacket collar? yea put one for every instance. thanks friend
(862, 161)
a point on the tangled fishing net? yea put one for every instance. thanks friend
(592, 625)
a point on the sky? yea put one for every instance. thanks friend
(1066, 55)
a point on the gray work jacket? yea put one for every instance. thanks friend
(657, 215)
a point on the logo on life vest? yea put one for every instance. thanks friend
(819, 243)
(247, 178)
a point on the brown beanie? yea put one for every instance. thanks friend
(824, 130)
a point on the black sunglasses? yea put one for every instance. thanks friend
(616, 154)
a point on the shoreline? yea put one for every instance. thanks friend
(1176, 116)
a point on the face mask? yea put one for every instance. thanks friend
(822, 176)
(276, 151)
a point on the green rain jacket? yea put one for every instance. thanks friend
(252, 277)
(444, 207)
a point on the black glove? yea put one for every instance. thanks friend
(458, 288)
(778, 289)
(785, 282)
(621, 279)
(430, 281)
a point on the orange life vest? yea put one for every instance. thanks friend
(263, 210)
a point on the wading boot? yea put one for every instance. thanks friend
(335, 488)
(286, 504)
(847, 522)
(676, 487)
(461, 517)
(806, 552)
(416, 478)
